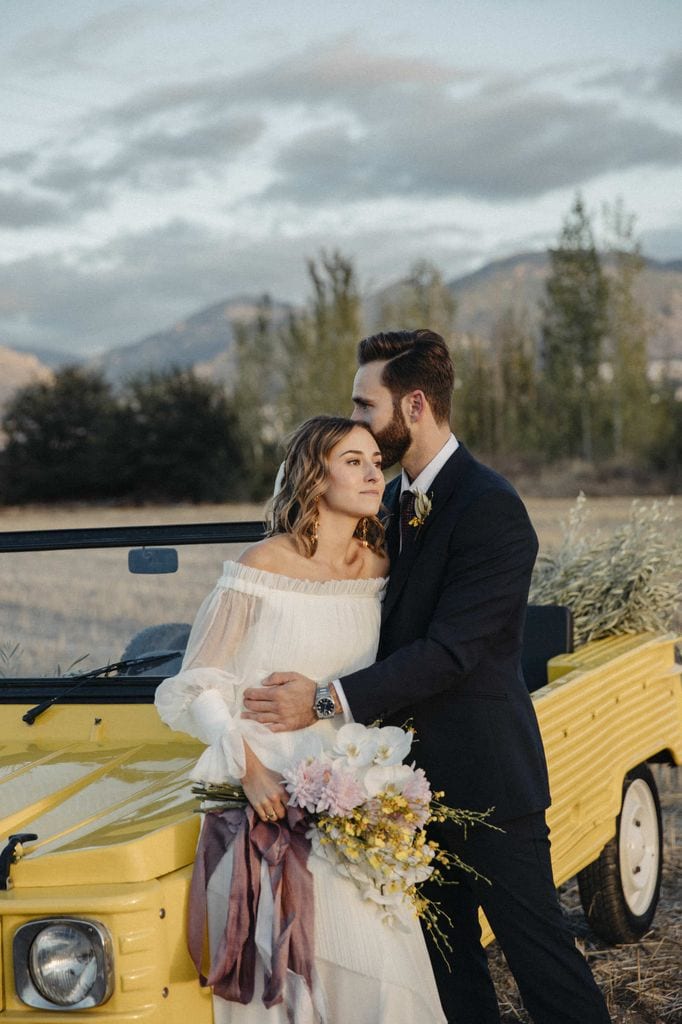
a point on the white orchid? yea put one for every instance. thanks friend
(379, 778)
(357, 744)
(393, 744)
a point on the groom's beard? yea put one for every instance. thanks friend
(394, 439)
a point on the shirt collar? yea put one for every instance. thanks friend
(431, 471)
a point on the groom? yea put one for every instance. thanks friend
(449, 659)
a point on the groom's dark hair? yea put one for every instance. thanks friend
(414, 359)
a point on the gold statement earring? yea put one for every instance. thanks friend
(363, 533)
(316, 523)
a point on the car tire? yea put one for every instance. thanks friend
(619, 891)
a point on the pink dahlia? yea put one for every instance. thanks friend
(342, 793)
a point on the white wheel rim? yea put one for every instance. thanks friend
(639, 847)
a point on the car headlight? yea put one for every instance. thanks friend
(63, 963)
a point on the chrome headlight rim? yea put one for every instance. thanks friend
(94, 931)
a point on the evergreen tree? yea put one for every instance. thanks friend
(178, 440)
(574, 323)
(59, 436)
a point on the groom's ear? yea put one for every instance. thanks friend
(415, 405)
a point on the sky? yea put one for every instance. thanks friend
(158, 156)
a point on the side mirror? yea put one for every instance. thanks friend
(152, 560)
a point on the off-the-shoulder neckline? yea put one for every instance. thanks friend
(368, 584)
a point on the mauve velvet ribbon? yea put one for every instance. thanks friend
(284, 847)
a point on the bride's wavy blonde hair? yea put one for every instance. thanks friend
(306, 471)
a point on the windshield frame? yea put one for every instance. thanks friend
(114, 688)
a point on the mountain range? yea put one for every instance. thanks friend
(205, 339)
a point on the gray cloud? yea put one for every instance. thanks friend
(19, 210)
(496, 145)
(153, 160)
(53, 48)
(146, 281)
(337, 73)
(669, 82)
(113, 294)
(421, 129)
(387, 126)
(630, 81)
(18, 161)
(663, 79)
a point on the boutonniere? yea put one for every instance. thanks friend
(422, 508)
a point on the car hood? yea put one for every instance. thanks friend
(102, 810)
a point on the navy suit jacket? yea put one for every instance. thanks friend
(450, 645)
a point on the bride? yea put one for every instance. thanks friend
(308, 596)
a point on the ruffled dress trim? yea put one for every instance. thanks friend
(250, 580)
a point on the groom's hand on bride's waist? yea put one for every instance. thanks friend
(283, 702)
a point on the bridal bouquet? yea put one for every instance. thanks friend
(369, 813)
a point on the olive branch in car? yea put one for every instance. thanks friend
(8, 654)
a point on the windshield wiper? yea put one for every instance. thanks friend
(144, 661)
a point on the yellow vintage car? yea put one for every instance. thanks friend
(98, 825)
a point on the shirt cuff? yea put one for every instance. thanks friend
(343, 701)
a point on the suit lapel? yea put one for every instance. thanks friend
(440, 493)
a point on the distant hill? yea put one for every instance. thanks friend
(518, 283)
(53, 358)
(204, 341)
(17, 369)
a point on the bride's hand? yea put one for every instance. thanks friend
(264, 789)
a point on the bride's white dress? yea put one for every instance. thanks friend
(254, 623)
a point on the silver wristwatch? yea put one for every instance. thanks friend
(323, 705)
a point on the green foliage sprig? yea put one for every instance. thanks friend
(629, 581)
(9, 654)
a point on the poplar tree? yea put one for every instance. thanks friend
(255, 398)
(318, 344)
(574, 324)
(421, 300)
(627, 338)
(516, 385)
(474, 406)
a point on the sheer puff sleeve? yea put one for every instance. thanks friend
(204, 698)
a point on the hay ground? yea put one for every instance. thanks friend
(642, 982)
(546, 513)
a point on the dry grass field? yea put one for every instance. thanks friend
(546, 513)
(61, 606)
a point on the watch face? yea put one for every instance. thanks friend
(325, 708)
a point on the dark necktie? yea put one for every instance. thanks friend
(407, 500)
